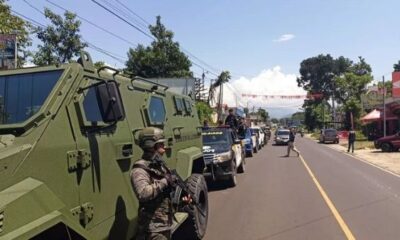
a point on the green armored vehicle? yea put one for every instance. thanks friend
(68, 140)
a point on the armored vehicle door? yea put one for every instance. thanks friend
(102, 162)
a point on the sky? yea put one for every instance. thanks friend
(261, 43)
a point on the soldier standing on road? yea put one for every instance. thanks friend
(152, 186)
(291, 143)
(352, 139)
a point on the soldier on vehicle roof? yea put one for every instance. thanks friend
(231, 120)
(152, 185)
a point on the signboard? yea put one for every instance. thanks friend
(7, 51)
(396, 84)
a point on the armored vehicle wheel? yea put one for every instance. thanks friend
(196, 224)
(232, 181)
(386, 147)
(242, 167)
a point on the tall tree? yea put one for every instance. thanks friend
(163, 58)
(396, 66)
(61, 39)
(11, 24)
(317, 74)
(349, 88)
(222, 78)
(263, 114)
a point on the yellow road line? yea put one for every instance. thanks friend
(332, 207)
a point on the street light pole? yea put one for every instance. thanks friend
(384, 107)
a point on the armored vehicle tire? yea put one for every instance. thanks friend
(242, 167)
(386, 147)
(232, 181)
(196, 224)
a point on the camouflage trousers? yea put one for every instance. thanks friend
(165, 235)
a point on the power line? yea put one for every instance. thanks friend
(30, 20)
(123, 19)
(94, 24)
(137, 15)
(90, 45)
(142, 31)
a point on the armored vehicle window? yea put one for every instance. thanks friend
(91, 106)
(178, 104)
(22, 95)
(188, 106)
(156, 110)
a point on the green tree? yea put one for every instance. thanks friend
(349, 89)
(11, 24)
(396, 66)
(61, 40)
(274, 120)
(263, 114)
(317, 74)
(204, 111)
(99, 64)
(163, 58)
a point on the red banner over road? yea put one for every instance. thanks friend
(396, 84)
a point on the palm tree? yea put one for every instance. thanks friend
(224, 77)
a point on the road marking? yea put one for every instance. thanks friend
(332, 207)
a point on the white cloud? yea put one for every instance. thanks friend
(284, 38)
(268, 82)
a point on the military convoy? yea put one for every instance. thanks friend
(68, 140)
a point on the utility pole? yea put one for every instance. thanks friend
(384, 107)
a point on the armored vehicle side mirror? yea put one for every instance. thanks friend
(110, 102)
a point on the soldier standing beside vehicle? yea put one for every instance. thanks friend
(351, 139)
(152, 185)
(291, 143)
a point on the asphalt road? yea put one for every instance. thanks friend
(277, 198)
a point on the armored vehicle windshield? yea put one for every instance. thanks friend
(22, 95)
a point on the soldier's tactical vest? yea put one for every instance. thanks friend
(154, 215)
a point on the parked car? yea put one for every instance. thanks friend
(261, 136)
(255, 136)
(282, 136)
(223, 154)
(329, 135)
(388, 143)
(248, 141)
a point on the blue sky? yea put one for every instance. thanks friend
(242, 36)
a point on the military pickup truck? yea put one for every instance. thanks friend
(68, 140)
(223, 154)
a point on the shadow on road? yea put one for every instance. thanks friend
(216, 186)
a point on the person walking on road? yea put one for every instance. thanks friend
(291, 143)
(352, 139)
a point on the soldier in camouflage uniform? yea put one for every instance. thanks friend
(152, 186)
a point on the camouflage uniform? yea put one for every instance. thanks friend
(155, 209)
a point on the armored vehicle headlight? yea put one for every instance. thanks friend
(224, 156)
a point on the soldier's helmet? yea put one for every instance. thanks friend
(148, 137)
